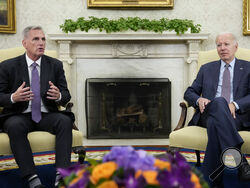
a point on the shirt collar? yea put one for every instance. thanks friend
(30, 61)
(232, 63)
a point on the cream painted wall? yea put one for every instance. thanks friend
(214, 16)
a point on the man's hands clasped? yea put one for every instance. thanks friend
(202, 102)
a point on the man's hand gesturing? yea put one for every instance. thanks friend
(53, 92)
(22, 94)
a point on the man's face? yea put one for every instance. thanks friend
(226, 47)
(34, 44)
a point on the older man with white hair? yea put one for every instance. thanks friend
(221, 96)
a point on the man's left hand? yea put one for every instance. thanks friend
(53, 92)
(232, 109)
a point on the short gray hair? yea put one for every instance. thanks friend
(27, 29)
(223, 33)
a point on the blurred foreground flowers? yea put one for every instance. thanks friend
(125, 167)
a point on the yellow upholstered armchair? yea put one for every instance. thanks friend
(39, 140)
(195, 137)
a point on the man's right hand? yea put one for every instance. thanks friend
(202, 102)
(22, 94)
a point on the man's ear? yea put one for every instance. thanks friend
(24, 43)
(236, 45)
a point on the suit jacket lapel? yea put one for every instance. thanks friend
(44, 75)
(23, 67)
(238, 68)
(215, 77)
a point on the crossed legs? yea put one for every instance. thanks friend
(222, 133)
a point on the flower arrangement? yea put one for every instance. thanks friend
(125, 167)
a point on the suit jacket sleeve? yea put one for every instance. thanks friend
(193, 92)
(62, 85)
(4, 87)
(242, 94)
(52, 70)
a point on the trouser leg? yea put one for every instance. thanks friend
(222, 133)
(17, 127)
(60, 125)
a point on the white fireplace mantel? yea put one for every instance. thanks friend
(192, 41)
(128, 55)
(127, 36)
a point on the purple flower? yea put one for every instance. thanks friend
(72, 169)
(129, 180)
(129, 161)
(128, 157)
(179, 176)
(82, 182)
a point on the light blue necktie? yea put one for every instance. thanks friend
(35, 87)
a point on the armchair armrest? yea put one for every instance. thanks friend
(68, 108)
(183, 116)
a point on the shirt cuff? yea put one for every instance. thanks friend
(60, 97)
(236, 105)
(11, 98)
(197, 101)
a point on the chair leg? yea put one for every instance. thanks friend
(198, 162)
(80, 150)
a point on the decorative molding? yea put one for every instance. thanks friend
(130, 3)
(129, 50)
(246, 21)
(65, 51)
(129, 45)
(127, 36)
(192, 60)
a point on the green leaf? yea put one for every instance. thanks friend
(130, 23)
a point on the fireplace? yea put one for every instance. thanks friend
(127, 55)
(128, 107)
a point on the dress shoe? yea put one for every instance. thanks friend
(217, 184)
(40, 186)
(244, 172)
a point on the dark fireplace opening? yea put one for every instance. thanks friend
(128, 107)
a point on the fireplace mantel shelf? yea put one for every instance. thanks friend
(127, 36)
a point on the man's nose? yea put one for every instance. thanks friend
(41, 42)
(223, 46)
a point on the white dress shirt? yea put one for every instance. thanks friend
(29, 63)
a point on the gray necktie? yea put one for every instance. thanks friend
(226, 84)
(35, 87)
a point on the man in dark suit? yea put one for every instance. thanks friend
(31, 87)
(221, 96)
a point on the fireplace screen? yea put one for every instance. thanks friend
(128, 108)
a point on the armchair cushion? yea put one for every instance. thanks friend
(191, 137)
(39, 141)
(212, 55)
(13, 52)
(195, 137)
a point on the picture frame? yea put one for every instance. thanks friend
(246, 17)
(130, 3)
(7, 16)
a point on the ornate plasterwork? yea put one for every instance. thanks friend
(129, 50)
